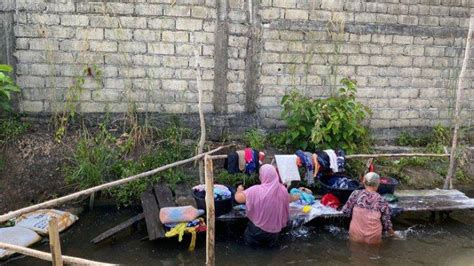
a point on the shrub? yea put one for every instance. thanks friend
(254, 139)
(7, 87)
(11, 128)
(334, 122)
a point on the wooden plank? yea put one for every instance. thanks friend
(55, 242)
(116, 229)
(152, 217)
(210, 211)
(164, 196)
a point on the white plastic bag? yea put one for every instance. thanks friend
(38, 220)
(17, 235)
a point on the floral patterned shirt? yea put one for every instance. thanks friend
(371, 201)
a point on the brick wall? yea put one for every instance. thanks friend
(404, 54)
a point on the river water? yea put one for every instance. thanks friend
(447, 241)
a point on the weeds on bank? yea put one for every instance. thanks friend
(11, 128)
(255, 139)
(102, 157)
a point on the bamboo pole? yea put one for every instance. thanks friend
(47, 256)
(202, 122)
(357, 156)
(61, 200)
(448, 183)
(210, 212)
(55, 242)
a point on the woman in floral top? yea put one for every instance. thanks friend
(370, 213)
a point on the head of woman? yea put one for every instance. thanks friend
(371, 180)
(268, 174)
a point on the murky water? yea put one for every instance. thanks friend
(424, 242)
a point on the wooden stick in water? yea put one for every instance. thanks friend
(55, 242)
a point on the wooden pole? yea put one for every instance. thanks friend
(61, 200)
(47, 256)
(363, 156)
(55, 242)
(202, 138)
(210, 212)
(448, 184)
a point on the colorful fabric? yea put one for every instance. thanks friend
(252, 165)
(341, 182)
(330, 200)
(248, 153)
(371, 201)
(181, 228)
(267, 204)
(221, 192)
(306, 161)
(305, 198)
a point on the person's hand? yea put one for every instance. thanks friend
(391, 233)
(240, 188)
(307, 190)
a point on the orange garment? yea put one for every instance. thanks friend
(366, 226)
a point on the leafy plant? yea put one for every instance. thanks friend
(255, 139)
(223, 177)
(7, 87)
(334, 122)
(11, 128)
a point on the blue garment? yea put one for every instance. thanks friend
(306, 161)
(341, 161)
(342, 183)
(306, 198)
(252, 166)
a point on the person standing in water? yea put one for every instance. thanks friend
(370, 213)
(267, 207)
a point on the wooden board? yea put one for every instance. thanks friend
(409, 200)
(164, 196)
(116, 229)
(152, 217)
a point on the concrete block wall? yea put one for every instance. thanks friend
(404, 54)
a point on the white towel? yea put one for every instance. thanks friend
(332, 160)
(287, 168)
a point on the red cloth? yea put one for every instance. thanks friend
(330, 200)
(248, 155)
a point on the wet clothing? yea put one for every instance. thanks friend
(370, 215)
(256, 237)
(241, 155)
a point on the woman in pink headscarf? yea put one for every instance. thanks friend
(267, 208)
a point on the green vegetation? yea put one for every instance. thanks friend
(11, 128)
(7, 87)
(101, 157)
(223, 177)
(334, 122)
(255, 139)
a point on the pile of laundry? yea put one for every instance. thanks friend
(342, 182)
(244, 161)
(221, 192)
(181, 220)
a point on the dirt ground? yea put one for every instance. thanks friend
(31, 171)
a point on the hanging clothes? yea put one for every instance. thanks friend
(231, 163)
(341, 160)
(241, 155)
(332, 160)
(251, 161)
(287, 168)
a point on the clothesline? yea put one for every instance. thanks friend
(362, 156)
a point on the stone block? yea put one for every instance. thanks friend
(90, 33)
(365, 17)
(119, 34)
(296, 14)
(120, 8)
(428, 21)
(148, 10)
(32, 106)
(333, 5)
(146, 35)
(161, 48)
(320, 15)
(103, 46)
(408, 20)
(449, 22)
(414, 50)
(402, 61)
(189, 24)
(133, 22)
(175, 36)
(66, 7)
(132, 47)
(103, 21)
(162, 23)
(177, 11)
(271, 13)
(185, 49)
(434, 51)
(30, 5)
(393, 50)
(43, 19)
(284, 3)
(358, 60)
(176, 85)
(380, 38)
(74, 20)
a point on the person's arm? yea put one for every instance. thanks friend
(347, 209)
(293, 198)
(386, 221)
(240, 195)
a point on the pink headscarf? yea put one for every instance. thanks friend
(268, 204)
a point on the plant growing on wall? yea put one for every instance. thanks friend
(7, 87)
(334, 122)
